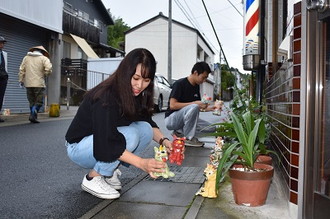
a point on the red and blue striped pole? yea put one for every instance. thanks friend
(251, 30)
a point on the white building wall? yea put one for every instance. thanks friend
(184, 51)
(154, 37)
(43, 13)
(210, 56)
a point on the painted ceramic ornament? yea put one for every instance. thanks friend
(176, 155)
(208, 188)
(161, 155)
(218, 104)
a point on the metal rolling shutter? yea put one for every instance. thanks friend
(20, 36)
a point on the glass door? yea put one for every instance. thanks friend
(321, 193)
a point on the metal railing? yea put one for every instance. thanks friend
(93, 79)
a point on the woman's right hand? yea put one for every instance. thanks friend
(150, 165)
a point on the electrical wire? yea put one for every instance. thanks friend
(235, 7)
(216, 35)
(190, 19)
(185, 13)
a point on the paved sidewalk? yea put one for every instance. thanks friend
(175, 198)
(23, 118)
(160, 198)
(146, 198)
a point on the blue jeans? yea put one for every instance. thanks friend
(187, 121)
(138, 136)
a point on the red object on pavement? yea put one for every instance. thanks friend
(176, 155)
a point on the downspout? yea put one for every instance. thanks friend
(274, 36)
(262, 70)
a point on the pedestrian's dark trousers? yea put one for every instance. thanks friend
(35, 96)
(3, 85)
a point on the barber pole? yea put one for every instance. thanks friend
(251, 34)
(251, 21)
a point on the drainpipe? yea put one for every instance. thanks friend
(169, 58)
(262, 70)
(274, 36)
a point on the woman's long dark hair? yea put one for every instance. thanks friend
(120, 83)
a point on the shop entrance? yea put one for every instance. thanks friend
(317, 170)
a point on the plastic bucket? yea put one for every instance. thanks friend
(54, 110)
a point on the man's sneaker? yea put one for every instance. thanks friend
(194, 142)
(177, 134)
(99, 188)
(114, 180)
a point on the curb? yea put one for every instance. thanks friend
(98, 208)
(194, 208)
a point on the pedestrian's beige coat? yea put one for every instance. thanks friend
(33, 69)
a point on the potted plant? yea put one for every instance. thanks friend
(239, 159)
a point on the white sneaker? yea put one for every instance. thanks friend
(99, 188)
(114, 181)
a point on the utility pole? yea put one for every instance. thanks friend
(169, 58)
(220, 91)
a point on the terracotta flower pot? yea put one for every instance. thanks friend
(251, 188)
(266, 159)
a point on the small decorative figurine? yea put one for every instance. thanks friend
(208, 188)
(217, 152)
(218, 107)
(161, 155)
(206, 99)
(176, 155)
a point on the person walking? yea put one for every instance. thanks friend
(185, 104)
(3, 72)
(114, 123)
(32, 72)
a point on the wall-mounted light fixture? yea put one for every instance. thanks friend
(319, 5)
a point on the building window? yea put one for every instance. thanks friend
(66, 50)
(80, 53)
(83, 15)
(96, 23)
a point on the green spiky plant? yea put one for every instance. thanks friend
(249, 143)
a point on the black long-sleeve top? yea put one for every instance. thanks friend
(93, 118)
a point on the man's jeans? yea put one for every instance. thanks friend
(138, 135)
(187, 121)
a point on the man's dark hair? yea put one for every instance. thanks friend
(201, 67)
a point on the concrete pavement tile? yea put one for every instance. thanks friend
(167, 193)
(209, 210)
(183, 175)
(196, 161)
(197, 152)
(128, 210)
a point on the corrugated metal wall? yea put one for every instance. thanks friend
(20, 36)
(43, 13)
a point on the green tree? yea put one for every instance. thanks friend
(116, 33)
(227, 78)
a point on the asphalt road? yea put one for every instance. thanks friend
(38, 180)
